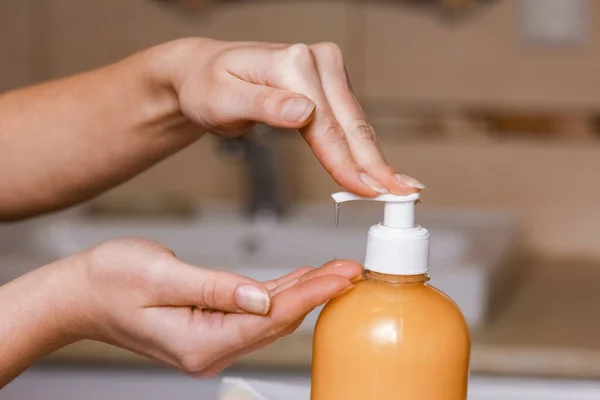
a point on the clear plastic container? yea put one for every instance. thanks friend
(391, 337)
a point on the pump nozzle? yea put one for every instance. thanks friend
(395, 246)
(399, 210)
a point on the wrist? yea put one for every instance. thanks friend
(162, 69)
(69, 296)
(159, 70)
(165, 69)
(41, 312)
(55, 299)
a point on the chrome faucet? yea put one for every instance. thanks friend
(256, 148)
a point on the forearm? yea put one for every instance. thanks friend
(38, 316)
(65, 141)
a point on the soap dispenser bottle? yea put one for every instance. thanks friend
(392, 336)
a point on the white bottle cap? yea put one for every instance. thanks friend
(396, 246)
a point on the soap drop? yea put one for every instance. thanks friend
(336, 208)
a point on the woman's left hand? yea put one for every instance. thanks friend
(135, 294)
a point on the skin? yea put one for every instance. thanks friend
(66, 141)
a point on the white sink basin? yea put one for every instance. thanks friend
(101, 384)
(463, 259)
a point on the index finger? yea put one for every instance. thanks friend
(323, 133)
(286, 308)
(359, 134)
(293, 68)
(346, 268)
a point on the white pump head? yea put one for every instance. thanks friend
(395, 246)
(399, 210)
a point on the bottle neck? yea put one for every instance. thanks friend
(396, 279)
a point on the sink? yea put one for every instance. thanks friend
(99, 384)
(467, 250)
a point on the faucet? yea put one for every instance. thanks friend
(264, 188)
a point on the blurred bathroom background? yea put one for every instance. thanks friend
(493, 104)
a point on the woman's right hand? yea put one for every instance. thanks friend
(224, 87)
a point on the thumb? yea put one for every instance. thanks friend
(272, 106)
(181, 284)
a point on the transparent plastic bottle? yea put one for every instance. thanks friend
(392, 336)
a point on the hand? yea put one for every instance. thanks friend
(117, 121)
(137, 295)
(225, 87)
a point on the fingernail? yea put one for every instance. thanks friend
(409, 181)
(372, 183)
(334, 263)
(297, 109)
(283, 287)
(344, 291)
(251, 299)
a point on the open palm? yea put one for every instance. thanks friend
(188, 317)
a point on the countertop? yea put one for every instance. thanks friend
(547, 329)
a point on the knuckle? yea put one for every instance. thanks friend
(279, 329)
(365, 132)
(299, 51)
(112, 252)
(138, 263)
(209, 292)
(130, 243)
(192, 364)
(288, 331)
(264, 97)
(332, 131)
(275, 331)
(219, 100)
(330, 50)
(283, 329)
(209, 373)
(242, 336)
(205, 364)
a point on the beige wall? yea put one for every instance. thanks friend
(16, 43)
(484, 60)
(393, 55)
